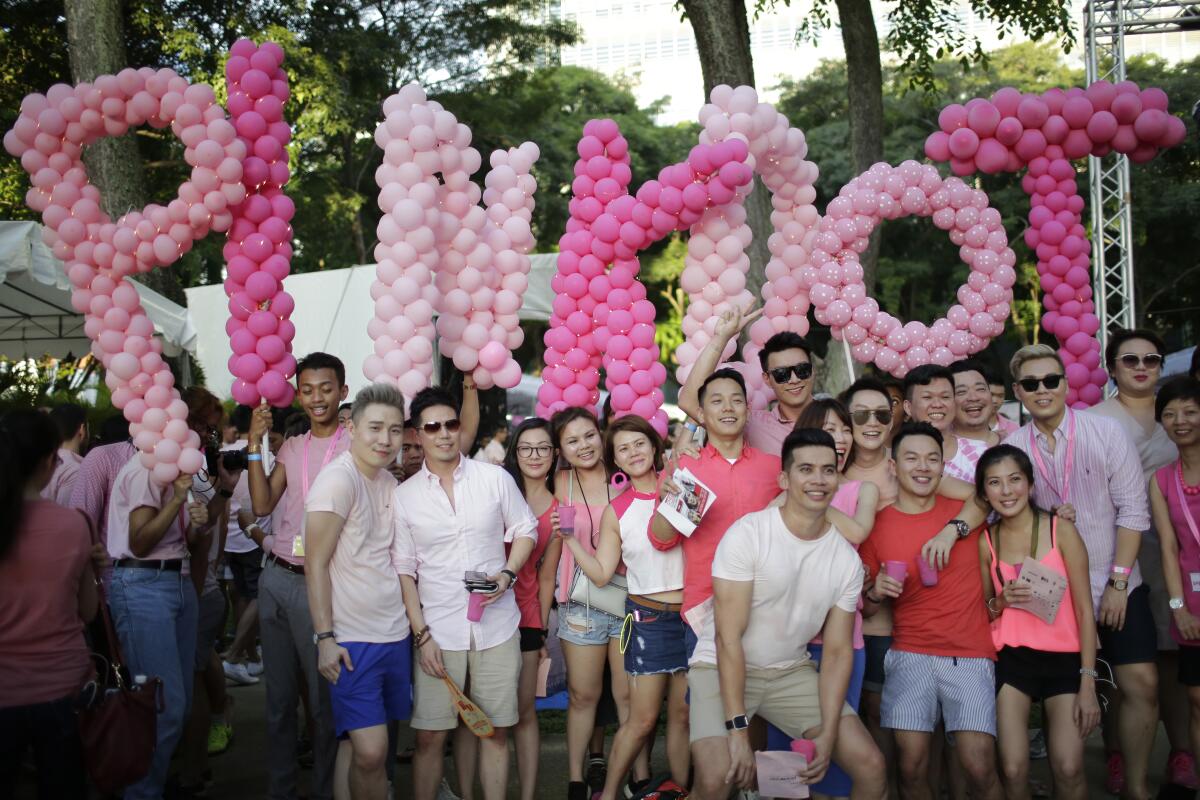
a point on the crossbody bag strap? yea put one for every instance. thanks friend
(116, 659)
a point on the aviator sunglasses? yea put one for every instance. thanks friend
(862, 415)
(451, 425)
(802, 371)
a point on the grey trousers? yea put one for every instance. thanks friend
(289, 666)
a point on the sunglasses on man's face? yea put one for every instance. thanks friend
(1049, 381)
(802, 371)
(1135, 361)
(863, 415)
(451, 426)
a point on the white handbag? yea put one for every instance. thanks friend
(609, 598)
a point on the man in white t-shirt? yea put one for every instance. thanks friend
(361, 629)
(781, 576)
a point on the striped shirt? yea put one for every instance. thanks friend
(95, 479)
(1106, 488)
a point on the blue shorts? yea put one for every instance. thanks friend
(378, 690)
(587, 625)
(655, 643)
(836, 782)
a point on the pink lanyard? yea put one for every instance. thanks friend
(304, 462)
(1183, 502)
(1065, 494)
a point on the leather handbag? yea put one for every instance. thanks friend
(117, 717)
(609, 598)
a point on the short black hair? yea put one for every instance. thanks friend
(345, 407)
(917, 429)
(994, 455)
(784, 340)
(723, 374)
(115, 428)
(1118, 338)
(864, 384)
(319, 360)
(239, 418)
(428, 398)
(805, 437)
(1184, 387)
(925, 375)
(67, 417)
(974, 365)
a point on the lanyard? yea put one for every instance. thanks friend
(1183, 501)
(304, 462)
(1065, 493)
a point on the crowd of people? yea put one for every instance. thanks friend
(881, 584)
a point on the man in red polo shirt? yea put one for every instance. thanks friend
(743, 478)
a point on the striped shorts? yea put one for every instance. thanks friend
(919, 687)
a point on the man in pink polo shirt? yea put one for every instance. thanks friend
(786, 361)
(744, 479)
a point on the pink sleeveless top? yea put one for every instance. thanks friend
(845, 500)
(1189, 544)
(587, 531)
(1017, 628)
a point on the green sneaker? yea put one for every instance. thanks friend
(220, 734)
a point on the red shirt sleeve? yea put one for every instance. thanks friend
(869, 557)
(654, 541)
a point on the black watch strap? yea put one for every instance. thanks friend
(738, 723)
(960, 527)
(323, 635)
(512, 576)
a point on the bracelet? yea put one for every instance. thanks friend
(1121, 570)
(991, 608)
(254, 456)
(1091, 673)
(512, 576)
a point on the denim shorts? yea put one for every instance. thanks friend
(655, 643)
(587, 625)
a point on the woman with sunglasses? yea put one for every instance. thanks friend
(590, 637)
(655, 655)
(530, 460)
(1053, 662)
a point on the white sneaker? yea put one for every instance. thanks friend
(238, 674)
(255, 668)
(445, 793)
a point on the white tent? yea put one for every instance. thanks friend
(332, 309)
(36, 316)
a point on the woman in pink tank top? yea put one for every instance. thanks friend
(1053, 661)
(1175, 505)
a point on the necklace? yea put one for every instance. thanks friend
(1187, 488)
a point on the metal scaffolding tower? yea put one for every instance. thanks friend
(1106, 24)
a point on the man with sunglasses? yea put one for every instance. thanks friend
(1088, 461)
(454, 517)
(1134, 360)
(786, 361)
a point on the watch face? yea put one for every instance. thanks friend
(1175, 604)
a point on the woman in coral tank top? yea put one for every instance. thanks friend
(1036, 660)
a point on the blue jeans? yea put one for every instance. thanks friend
(155, 616)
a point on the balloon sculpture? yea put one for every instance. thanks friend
(49, 137)
(439, 251)
(601, 314)
(259, 250)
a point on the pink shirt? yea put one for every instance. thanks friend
(43, 655)
(135, 488)
(437, 543)
(288, 519)
(367, 603)
(766, 430)
(94, 483)
(1188, 538)
(62, 482)
(587, 532)
(1004, 425)
(746, 485)
(962, 466)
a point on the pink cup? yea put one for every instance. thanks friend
(566, 519)
(896, 570)
(474, 607)
(929, 573)
(805, 747)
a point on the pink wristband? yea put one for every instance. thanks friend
(1121, 570)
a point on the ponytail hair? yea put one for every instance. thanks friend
(27, 438)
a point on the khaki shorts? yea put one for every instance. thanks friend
(490, 677)
(787, 698)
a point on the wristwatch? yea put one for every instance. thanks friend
(317, 637)
(512, 576)
(960, 527)
(1175, 603)
(1120, 585)
(738, 723)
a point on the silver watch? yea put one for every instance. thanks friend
(1175, 603)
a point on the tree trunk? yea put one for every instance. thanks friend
(96, 40)
(722, 32)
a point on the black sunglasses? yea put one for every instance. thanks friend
(451, 425)
(862, 415)
(802, 371)
(1134, 361)
(1051, 382)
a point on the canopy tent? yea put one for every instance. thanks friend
(332, 309)
(36, 316)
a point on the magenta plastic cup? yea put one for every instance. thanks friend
(566, 519)
(929, 573)
(896, 570)
(475, 607)
(805, 747)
